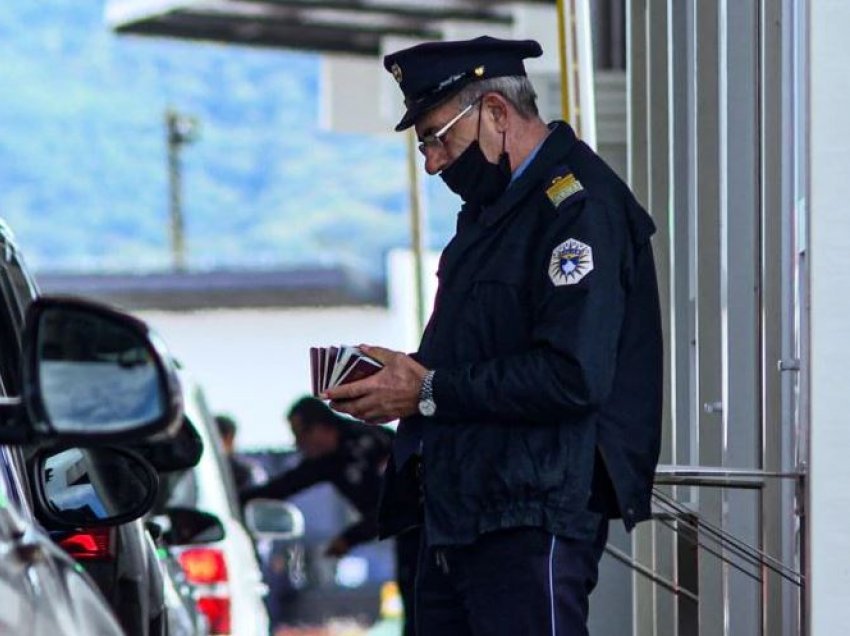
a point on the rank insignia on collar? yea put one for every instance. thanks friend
(571, 261)
(562, 188)
(396, 71)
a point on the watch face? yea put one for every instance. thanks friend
(427, 407)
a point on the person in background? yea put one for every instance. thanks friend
(352, 457)
(244, 472)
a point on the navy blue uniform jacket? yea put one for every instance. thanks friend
(546, 341)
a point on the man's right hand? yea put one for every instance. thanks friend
(390, 394)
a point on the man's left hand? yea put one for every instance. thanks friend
(391, 393)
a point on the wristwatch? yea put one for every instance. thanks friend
(427, 406)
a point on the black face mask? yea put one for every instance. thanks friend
(474, 179)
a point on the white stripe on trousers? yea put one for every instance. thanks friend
(551, 586)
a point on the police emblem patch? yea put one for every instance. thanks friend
(396, 71)
(571, 261)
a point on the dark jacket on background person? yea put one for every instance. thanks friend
(548, 396)
(243, 472)
(355, 469)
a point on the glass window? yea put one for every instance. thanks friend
(17, 291)
(11, 484)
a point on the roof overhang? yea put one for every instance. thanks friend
(307, 287)
(341, 26)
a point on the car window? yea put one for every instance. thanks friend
(179, 489)
(10, 344)
(11, 467)
(217, 451)
(16, 282)
(208, 486)
(17, 291)
(6, 489)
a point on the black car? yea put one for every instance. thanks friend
(77, 382)
(122, 557)
(128, 567)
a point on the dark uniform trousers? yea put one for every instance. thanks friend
(515, 582)
(406, 557)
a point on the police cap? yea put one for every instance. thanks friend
(430, 73)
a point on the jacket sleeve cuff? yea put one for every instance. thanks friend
(446, 396)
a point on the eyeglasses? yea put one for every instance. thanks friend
(434, 141)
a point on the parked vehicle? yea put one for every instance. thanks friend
(184, 526)
(129, 568)
(126, 568)
(81, 374)
(125, 565)
(226, 572)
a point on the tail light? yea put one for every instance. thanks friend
(217, 611)
(204, 565)
(207, 569)
(94, 543)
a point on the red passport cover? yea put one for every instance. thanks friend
(334, 366)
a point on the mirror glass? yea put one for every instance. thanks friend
(96, 373)
(269, 518)
(86, 486)
(185, 526)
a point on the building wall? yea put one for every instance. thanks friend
(829, 156)
(253, 363)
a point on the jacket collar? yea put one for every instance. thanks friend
(557, 146)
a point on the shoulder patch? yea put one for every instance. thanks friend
(563, 188)
(571, 261)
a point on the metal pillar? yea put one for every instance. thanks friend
(416, 229)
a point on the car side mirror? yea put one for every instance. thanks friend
(273, 519)
(189, 526)
(84, 487)
(180, 452)
(93, 374)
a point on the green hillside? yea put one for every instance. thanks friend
(83, 178)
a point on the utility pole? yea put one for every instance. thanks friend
(180, 130)
(417, 239)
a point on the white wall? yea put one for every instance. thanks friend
(254, 363)
(829, 172)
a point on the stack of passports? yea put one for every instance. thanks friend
(333, 366)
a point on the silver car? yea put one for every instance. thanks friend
(76, 380)
(226, 572)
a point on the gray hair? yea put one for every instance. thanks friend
(516, 89)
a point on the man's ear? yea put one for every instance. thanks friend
(497, 107)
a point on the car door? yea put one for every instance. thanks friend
(17, 596)
(42, 591)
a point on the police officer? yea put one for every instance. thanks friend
(534, 400)
(352, 457)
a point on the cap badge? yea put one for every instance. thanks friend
(396, 71)
(479, 71)
(571, 261)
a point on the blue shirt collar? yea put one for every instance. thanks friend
(527, 161)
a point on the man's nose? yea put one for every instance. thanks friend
(435, 160)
